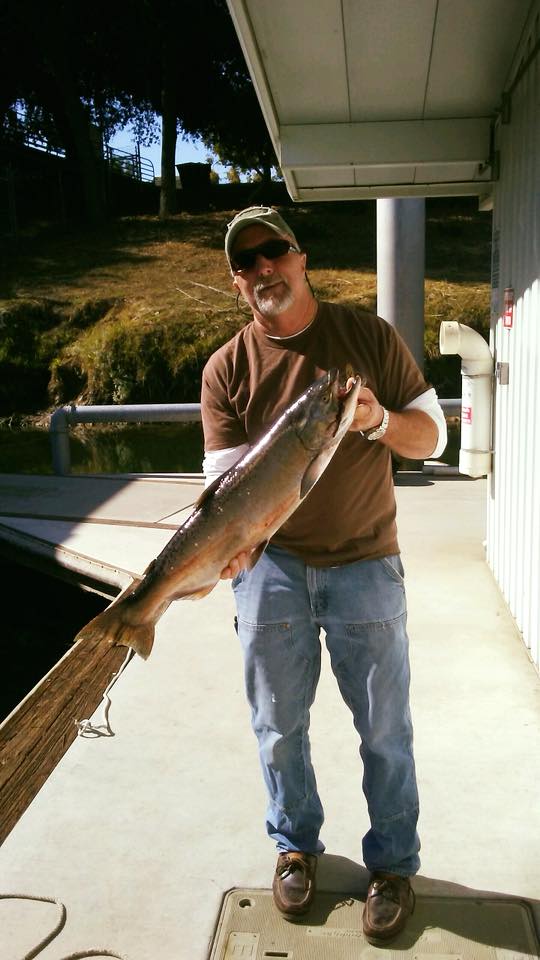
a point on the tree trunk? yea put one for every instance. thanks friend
(60, 94)
(82, 146)
(89, 162)
(167, 197)
(72, 119)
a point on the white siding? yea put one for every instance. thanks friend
(513, 544)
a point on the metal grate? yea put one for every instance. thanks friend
(441, 928)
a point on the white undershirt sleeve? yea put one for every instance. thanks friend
(428, 402)
(217, 461)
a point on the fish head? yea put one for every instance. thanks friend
(326, 410)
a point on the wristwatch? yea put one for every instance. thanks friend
(377, 432)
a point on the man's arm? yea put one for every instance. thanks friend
(411, 432)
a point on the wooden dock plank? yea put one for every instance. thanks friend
(35, 737)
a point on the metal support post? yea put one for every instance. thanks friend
(400, 269)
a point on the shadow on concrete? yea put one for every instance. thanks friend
(439, 903)
(406, 479)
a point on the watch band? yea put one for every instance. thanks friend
(377, 432)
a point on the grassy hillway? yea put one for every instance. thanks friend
(130, 314)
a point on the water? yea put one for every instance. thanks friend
(40, 618)
(140, 448)
(134, 448)
(41, 614)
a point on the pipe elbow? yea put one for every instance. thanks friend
(59, 420)
(458, 338)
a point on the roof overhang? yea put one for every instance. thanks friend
(381, 98)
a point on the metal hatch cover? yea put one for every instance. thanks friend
(249, 927)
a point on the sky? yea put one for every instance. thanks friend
(186, 151)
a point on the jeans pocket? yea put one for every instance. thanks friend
(376, 630)
(384, 645)
(267, 637)
(393, 567)
(238, 579)
(282, 641)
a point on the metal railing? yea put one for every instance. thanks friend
(66, 417)
(39, 134)
(452, 407)
(130, 164)
(32, 131)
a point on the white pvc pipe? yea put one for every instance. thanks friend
(476, 395)
(457, 338)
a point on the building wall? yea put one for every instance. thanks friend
(513, 540)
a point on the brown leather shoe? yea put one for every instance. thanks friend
(294, 882)
(390, 901)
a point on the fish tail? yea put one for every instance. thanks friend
(113, 627)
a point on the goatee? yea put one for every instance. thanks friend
(272, 300)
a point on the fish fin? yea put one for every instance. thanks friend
(208, 492)
(313, 472)
(200, 593)
(113, 628)
(256, 554)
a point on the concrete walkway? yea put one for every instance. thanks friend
(140, 835)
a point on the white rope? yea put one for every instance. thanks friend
(60, 924)
(85, 727)
(82, 955)
(79, 955)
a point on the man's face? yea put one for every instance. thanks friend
(270, 287)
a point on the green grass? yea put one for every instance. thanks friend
(131, 313)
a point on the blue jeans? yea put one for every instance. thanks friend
(282, 604)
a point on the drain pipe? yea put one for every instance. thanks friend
(476, 395)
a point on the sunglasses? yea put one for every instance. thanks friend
(270, 250)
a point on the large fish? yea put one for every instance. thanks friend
(237, 513)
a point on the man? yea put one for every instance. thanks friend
(334, 565)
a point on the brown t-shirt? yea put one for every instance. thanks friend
(350, 512)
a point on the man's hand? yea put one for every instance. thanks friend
(235, 566)
(410, 433)
(369, 412)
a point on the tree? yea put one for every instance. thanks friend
(230, 120)
(97, 66)
(57, 59)
(167, 200)
(206, 84)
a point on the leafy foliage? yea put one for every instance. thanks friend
(131, 313)
(83, 71)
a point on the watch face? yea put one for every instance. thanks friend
(379, 431)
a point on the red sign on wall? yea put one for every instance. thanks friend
(508, 312)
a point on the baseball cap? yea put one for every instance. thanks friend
(253, 216)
